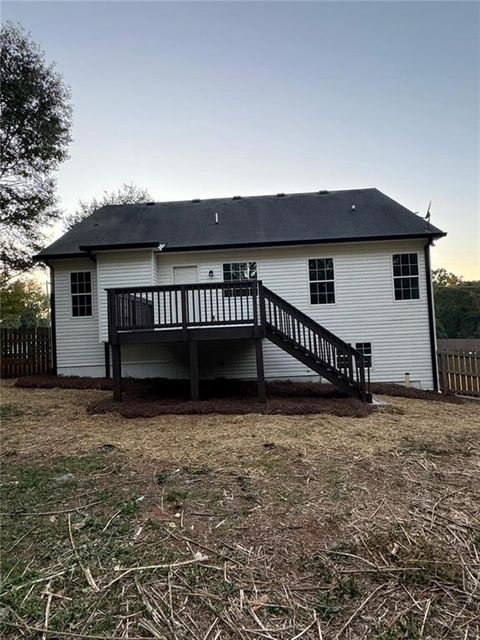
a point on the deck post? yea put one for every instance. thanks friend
(194, 391)
(107, 359)
(117, 372)
(263, 312)
(260, 370)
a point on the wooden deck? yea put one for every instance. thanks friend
(244, 310)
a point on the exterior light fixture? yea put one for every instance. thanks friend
(210, 273)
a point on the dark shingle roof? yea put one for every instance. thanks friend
(298, 218)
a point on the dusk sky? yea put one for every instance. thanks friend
(216, 99)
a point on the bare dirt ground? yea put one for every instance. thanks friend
(249, 526)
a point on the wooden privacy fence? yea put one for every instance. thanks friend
(460, 372)
(25, 352)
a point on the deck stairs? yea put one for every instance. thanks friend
(315, 346)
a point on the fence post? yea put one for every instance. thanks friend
(444, 371)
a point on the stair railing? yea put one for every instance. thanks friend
(316, 341)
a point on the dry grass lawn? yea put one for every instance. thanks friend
(253, 526)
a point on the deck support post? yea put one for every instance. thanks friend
(107, 359)
(260, 370)
(117, 372)
(194, 385)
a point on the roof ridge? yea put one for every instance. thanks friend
(237, 198)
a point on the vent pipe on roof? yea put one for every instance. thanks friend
(216, 217)
(353, 207)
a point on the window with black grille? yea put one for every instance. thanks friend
(405, 276)
(365, 349)
(81, 291)
(236, 272)
(321, 276)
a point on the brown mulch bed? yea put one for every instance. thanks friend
(146, 398)
(399, 391)
(132, 407)
(225, 388)
(229, 397)
(155, 396)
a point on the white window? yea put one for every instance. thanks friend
(365, 349)
(236, 272)
(81, 292)
(405, 276)
(239, 271)
(321, 276)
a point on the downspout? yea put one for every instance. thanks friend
(53, 322)
(431, 315)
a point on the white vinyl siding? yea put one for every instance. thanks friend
(78, 348)
(122, 269)
(365, 309)
(135, 269)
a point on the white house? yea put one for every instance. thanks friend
(352, 263)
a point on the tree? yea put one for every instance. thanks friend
(457, 305)
(126, 194)
(34, 138)
(443, 278)
(24, 304)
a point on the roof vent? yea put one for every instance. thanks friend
(196, 200)
(323, 192)
(353, 207)
(280, 195)
(150, 204)
(237, 198)
(216, 218)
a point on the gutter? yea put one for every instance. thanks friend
(119, 247)
(289, 243)
(163, 247)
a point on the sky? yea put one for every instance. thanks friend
(205, 99)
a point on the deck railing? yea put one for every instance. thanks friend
(183, 306)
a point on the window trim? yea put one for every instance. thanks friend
(394, 277)
(316, 305)
(71, 295)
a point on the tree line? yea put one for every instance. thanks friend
(457, 305)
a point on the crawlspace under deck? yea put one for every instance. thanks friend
(191, 337)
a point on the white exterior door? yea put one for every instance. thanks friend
(185, 275)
